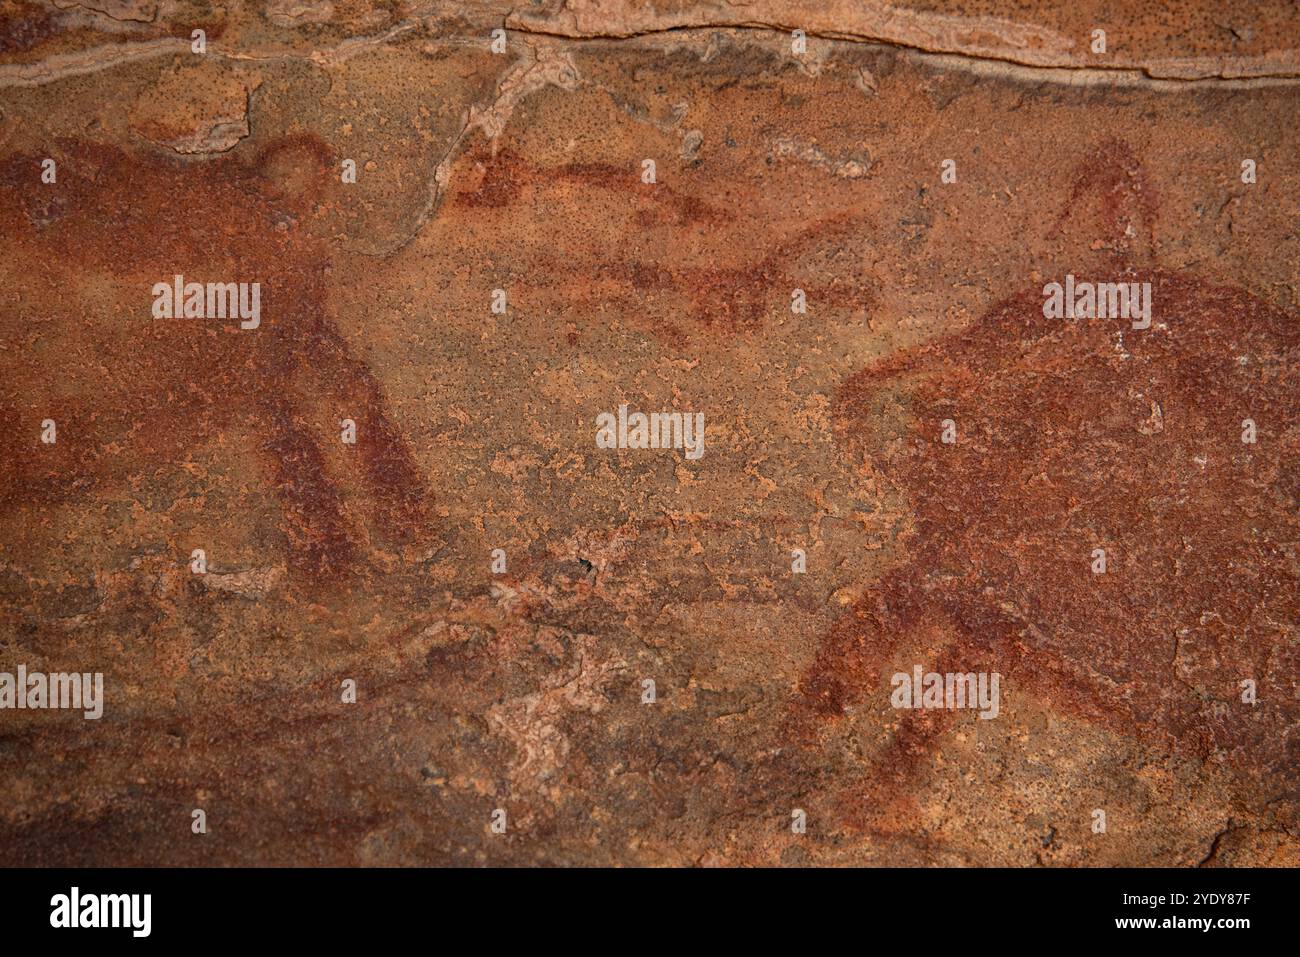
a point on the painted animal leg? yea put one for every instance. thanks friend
(852, 663)
(389, 468)
(320, 547)
(852, 654)
(890, 783)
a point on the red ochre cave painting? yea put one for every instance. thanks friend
(728, 283)
(1075, 435)
(132, 395)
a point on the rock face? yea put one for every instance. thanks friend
(364, 583)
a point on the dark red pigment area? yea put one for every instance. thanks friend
(24, 25)
(1083, 434)
(730, 285)
(133, 394)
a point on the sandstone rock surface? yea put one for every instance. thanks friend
(781, 169)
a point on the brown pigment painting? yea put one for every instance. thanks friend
(657, 433)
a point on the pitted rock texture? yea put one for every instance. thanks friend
(781, 172)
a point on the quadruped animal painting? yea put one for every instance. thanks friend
(623, 434)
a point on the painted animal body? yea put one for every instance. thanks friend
(131, 394)
(1076, 435)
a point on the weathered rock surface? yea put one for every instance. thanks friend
(777, 169)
